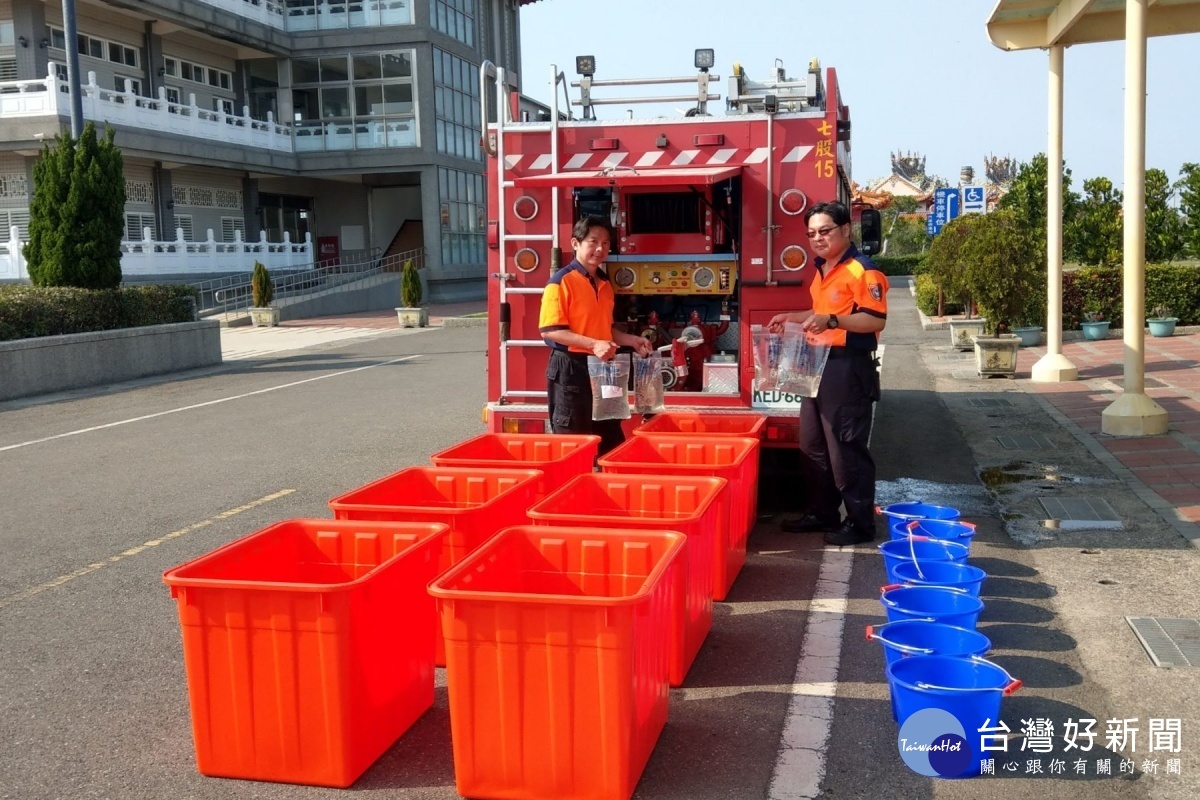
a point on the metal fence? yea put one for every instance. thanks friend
(231, 294)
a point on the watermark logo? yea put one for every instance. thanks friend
(933, 743)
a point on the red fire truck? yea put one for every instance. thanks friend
(708, 211)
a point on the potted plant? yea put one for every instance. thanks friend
(411, 313)
(1094, 325)
(1001, 269)
(1161, 321)
(262, 292)
(946, 268)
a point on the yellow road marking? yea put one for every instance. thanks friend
(133, 551)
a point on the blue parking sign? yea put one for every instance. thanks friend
(946, 206)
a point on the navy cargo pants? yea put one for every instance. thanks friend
(569, 396)
(834, 429)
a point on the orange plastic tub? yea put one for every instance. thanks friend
(733, 458)
(308, 647)
(557, 651)
(688, 423)
(473, 502)
(696, 507)
(560, 457)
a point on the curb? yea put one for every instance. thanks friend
(464, 322)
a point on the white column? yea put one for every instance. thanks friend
(1054, 366)
(1133, 413)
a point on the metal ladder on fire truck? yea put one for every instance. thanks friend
(495, 146)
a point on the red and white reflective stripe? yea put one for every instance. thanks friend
(685, 158)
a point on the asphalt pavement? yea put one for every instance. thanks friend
(105, 489)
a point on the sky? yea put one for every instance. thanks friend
(918, 76)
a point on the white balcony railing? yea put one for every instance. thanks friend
(181, 257)
(50, 96)
(313, 15)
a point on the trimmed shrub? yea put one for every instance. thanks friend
(262, 291)
(1176, 286)
(410, 286)
(27, 311)
(900, 265)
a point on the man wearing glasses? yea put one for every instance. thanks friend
(849, 295)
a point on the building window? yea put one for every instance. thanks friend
(198, 73)
(461, 197)
(14, 218)
(454, 18)
(456, 106)
(354, 102)
(136, 226)
(120, 81)
(311, 15)
(228, 227)
(183, 222)
(101, 49)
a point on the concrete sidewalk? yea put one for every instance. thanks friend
(247, 343)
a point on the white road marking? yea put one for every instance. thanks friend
(133, 551)
(800, 765)
(200, 405)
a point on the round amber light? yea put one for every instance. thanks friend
(793, 257)
(526, 259)
(525, 208)
(793, 202)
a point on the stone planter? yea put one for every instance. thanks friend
(962, 331)
(1164, 326)
(1030, 336)
(264, 317)
(996, 355)
(1094, 331)
(413, 317)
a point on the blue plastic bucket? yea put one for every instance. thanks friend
(947, 606)
(968, 688)
(963, 577)
(951, 530)
(922, 549)
(915, 637)
(910, 511)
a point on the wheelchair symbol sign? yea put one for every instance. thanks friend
(974, 194)
(974, 200)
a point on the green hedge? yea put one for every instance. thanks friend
(1176, 286)
(901, 265)
(28, 311)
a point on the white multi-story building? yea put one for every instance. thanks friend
(318, 126)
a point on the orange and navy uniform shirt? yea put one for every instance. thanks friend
(851, 285)
(574, 301)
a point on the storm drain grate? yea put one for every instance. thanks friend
(956, 357)
(1025, 442)
(965, 374)
(1079, 514)
(1169, 641)
(988, 402)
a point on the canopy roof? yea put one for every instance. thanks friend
(1029, 24)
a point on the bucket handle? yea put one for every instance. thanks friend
(958, 589)
(1012, 686)
(912, 548)
(912, 524)
(903, 648)
(879, 511)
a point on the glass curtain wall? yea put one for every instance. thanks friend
(463, 221)
(354, 102)
(456, 105)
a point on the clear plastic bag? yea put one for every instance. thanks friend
(610, 388)
(802, 357)
(768, 348)
(648, 391)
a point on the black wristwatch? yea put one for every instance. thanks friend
(833, 323)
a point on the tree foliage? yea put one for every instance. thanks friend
(1188, 187)
(1096, 230)
(77, 214)
(947, 264)
(1164, 230)
(1000, 266)
(1028, 196)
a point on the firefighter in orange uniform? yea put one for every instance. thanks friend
(849, 295)
(576, 320)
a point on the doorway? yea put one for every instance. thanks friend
(283, 213)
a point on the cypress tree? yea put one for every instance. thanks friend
(77, 215)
